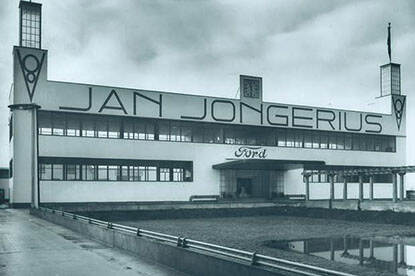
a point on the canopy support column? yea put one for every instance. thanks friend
(401, 186)
(360, 187)
(371, 178)
(394, 187)
(345, 188)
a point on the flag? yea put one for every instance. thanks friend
(389, 42)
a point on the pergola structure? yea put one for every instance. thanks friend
(332, 171)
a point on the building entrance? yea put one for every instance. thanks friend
(243, 187)
(240, 184)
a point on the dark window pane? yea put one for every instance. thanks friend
(45, 171)
(340, 141)
(58, 124)
(128, 129)
(73, 125)
(164, 131)
(324, 141)
(348, 142)
(73, 172)
(308, 140)
(45, 123)
(57, 171)
(175, 132)
(124, 174)
(114, 126)
(281, 134)
(102, 128)
(88, 127)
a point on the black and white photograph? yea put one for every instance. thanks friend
(207, 137)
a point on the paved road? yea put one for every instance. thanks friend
(31, 246)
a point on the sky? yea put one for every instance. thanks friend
(314, 52)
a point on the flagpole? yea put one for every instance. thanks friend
(389, 43)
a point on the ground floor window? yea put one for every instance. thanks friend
(72, 169)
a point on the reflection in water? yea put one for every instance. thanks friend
(398, 258)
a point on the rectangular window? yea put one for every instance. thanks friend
(139, 130)
(290, 138)
(45, 171)
(164, 131)
(114, 127)
(102, 127)
(124, 174)
(141, 173)
(113, 172)
(151, 173)
(150, 130)
(58, 124)
(73, 172)
(128, 129)
(73, 125)
(175, 132)
(178, 174)
(186, 133)
(213, 134)
(188, 175)
(299, 137)
(333, 141)
(197, 134)
(57, 172)
(316, 140)
(324, 141)
(348, 142)
(340, 141)
(308, 143)
(281, 134)
(102, 172)
(88, 127)
(356, 141)
(89, 172)
(164, 174)
(45, 123)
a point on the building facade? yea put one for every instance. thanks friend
(73, 142)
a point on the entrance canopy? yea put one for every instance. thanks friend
(261, 164)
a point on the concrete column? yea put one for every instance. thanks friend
(395, 258)
(371, 187)
(401, 186)
(331, 250)
(394, 187)
(372, 250)
(307, 186)
(361, 256)
(345, 188)
(361, 187)
(332, 185)
(345, 245)
(402, 254)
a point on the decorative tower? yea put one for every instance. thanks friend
(29, 76)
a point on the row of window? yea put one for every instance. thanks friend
(63, 124)
(322, 177)
(98, 172)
